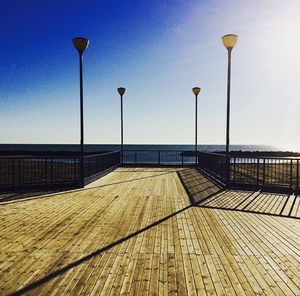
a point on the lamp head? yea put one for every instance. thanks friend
(230, 40)
(196, 90)
(80, 43)
(121, 90)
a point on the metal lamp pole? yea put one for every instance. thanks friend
(121, 91)
(196, 91)
(81, 43)
(229, 42)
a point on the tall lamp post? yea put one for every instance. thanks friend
(121, 91)
(196, 91)
(81, 43)
(229, 42)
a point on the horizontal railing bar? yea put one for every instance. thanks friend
(178, 151)
(39, 157)
(265, 157)
(102, 154)
(211, 153)
(54, 156)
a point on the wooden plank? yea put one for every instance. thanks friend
(296, 208)
(288, 206)
(273, 255)
(198, 251)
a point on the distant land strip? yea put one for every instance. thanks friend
(235, 153)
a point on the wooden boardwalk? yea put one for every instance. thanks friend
(135, 232)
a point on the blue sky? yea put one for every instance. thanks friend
(158, 50)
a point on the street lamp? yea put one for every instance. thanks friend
(121, 91)
(81, 43)
(196, 91)
(229, 42)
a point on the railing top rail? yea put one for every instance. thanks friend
(149, 150)
(39, 157)
(102, 154)
(212, 153)
(267, 157)
(53, 156)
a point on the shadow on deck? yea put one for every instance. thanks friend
(88, 242)
(206, 192)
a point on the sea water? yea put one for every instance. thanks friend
(115, 147)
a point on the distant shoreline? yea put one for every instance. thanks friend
(262, 153)
(22, 153)
(236, 153)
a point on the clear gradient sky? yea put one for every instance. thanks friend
(158, 50)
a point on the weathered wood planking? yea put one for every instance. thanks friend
(194, 251)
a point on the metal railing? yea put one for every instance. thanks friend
(38, 171)
(214, 164)
(265, 173)
(95, 165)
(32, 172)
(161, 157)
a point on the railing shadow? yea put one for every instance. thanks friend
(132, 180)
(76, 263)
(65, 269)
(51, 194)
(23, 194)
(255, 203)
(198, 187)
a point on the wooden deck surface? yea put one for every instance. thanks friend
(207, 193)
(134, 232)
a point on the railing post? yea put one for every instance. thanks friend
(158, 157)
(135, 157)
(222, 171)
(89, 166)
(257, 172)
(291, 174)
(19, 171)
(46, 173)
(13, 172)
(264, 172)
(297, 174)
(51, 171)
(105, 162)
(227, 171)
(234, 168)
